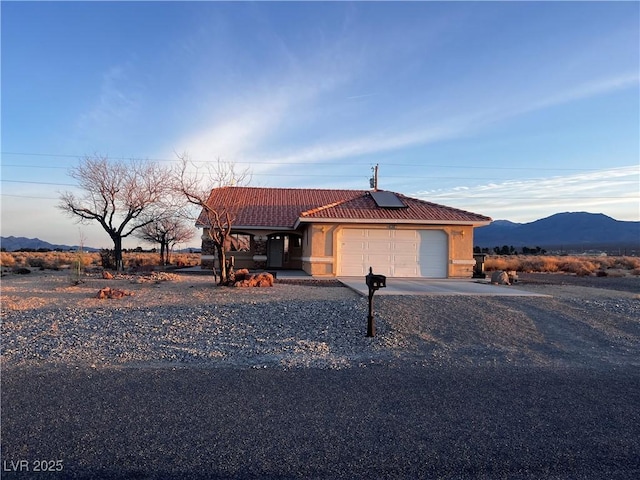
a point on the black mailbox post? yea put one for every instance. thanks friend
(374, 282)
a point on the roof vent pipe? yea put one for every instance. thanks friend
(373, 181)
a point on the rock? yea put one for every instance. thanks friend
(245, 279)
(265, 280)
(107, 276)
(242, 272)
(500, 278)
(108, 292)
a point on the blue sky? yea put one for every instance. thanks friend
(512, 110)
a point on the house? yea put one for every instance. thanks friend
(343, 232)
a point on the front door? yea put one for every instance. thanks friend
(275, 252)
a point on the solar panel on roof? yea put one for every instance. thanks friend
(387, 200)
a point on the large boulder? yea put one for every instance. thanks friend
(500, 277)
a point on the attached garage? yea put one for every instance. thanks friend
(393, 252)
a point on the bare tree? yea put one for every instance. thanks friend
(119, 195)
(196, 185)
(167, 231)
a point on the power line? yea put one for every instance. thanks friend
(448, 197)
(28, 196)
(302, 163)
(311, 175)
(34, 166)
(40, 183)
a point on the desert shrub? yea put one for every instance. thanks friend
(35, 261)
(186, 259)
(7, 260)
(578, 266)
(635, 271)
(531, 264)
(47, 260)
(508, 262)
(21, 259)
(145, 260)
(550, 264)
(139, 260)
(538, 264)
(107, 259)
(626, 263)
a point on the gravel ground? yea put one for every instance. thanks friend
(186, 380)
(190, 322)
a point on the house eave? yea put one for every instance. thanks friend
(386, 221)
(252, 227)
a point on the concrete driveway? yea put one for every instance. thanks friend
(430, 286)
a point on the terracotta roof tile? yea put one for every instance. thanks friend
(282, 207)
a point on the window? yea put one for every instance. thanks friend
(238, 242)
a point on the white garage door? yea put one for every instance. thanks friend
(394, 253)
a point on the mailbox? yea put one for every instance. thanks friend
(374, 282)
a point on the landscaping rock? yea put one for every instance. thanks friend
(108, 292)
(500, 278)
(244, 279)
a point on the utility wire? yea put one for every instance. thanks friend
(28, 196)
(498, 196)
(40, 183)
(240, 162)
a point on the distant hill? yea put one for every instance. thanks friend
(11, 244)
(570, 230)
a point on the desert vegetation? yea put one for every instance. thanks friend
(70, 260)
(578, 265)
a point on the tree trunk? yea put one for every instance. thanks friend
(117, 252)
(222, 259)
(162, 253)
(167, 253)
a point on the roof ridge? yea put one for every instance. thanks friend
(293, 188)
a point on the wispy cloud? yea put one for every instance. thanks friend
(381, 139)
(241, 127)
(228, 139)
(375, 142)
(582, 91)
(117, 100)
(599, 191)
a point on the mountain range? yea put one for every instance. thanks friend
(11, 244)
(569, 231)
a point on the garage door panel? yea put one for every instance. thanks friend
(393, 252)
(405, 235)
(353, 247)
(379, 234)
(409, 248)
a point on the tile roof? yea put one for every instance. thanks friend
(283, 207)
